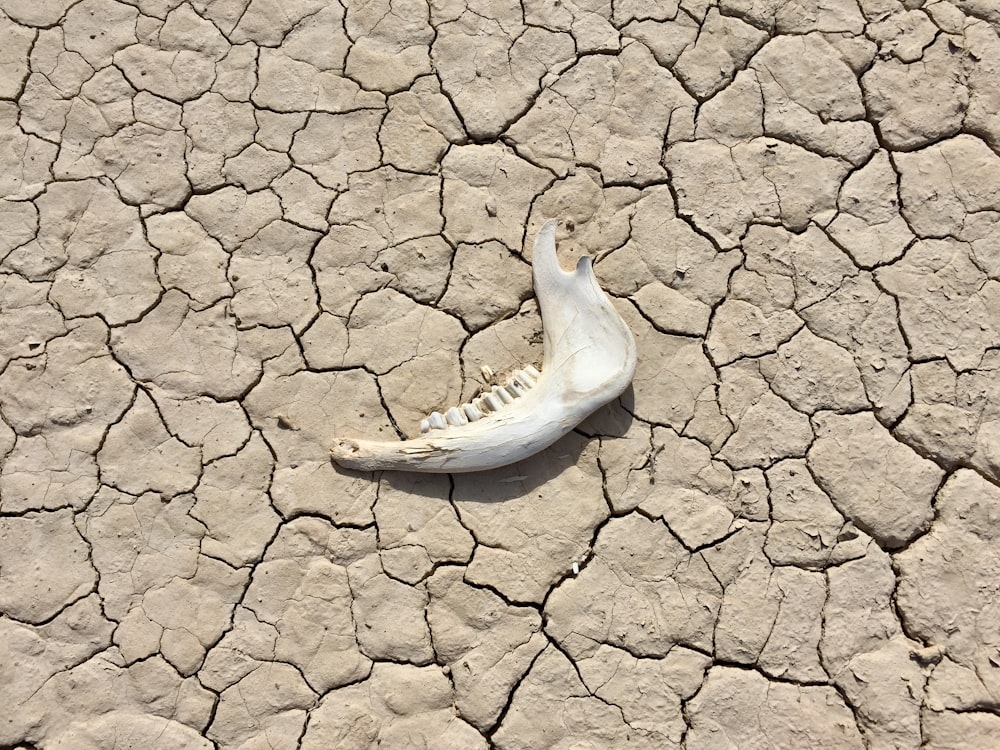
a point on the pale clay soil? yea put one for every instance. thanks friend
(233, 230)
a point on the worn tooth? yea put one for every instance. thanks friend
(491, 400)
(487, 373)
(514, 388)
(472, 412)
(455, 417)
(589, 359)
(500, 392)
(425, 426)
(523, 379)
(437, 421)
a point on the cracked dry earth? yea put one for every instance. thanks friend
(233, 230)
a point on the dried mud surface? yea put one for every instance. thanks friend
(235, 229)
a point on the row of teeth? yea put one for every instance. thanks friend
(488, 402)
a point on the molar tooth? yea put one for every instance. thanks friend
(530, 369)
(436, 421)
(491, 400)
(523, 379)
(487, 373)
(472, 412)
(425, 426)
(501, 393)
(514, 389)
(454, 416)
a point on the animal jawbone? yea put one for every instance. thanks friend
(589, 359)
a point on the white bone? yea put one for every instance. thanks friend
(589, 359)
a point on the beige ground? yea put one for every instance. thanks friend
(233, 230)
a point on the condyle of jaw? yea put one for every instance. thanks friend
(589, 359)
